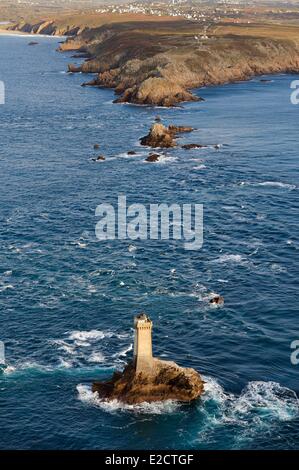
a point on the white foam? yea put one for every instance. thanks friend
(7, 273)
(27, 365)
(214, 391)
(277, 268)
(87, 396)
(229, 259)
(129, 156)
(271, 184)
(269, 398)
(9, 370)
(163, 159)
(80, 244)
(65, 364)
(277, 184)
(199, 167)
(132, 248)
(84, 336)
(124, 352)
(68, 348)
(28, 35)
(260, 404)
(96, 357)
(81, 348)
(6, 287)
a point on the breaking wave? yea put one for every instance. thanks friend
(87, 396)
(84, 336)
(124, 352)
(199, 167)
(25, 367)
(82, 348)
(259, 406)
(271, 184)
(163, 159)
(277, 184)
(229, 259)
(270, 399)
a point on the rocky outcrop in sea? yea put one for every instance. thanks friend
(167, 381)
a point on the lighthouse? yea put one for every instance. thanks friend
(143, 353)
(2, 356)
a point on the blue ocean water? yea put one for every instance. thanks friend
(68, 300)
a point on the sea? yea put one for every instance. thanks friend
(68, 300)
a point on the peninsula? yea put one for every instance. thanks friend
(148, 379)
(158, 58)
(160, 63)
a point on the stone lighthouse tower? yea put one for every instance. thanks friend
(143, 354)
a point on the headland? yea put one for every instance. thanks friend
(158, 60)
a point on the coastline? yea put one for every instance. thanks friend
(47, 381)
(163, 68)
(7, 32)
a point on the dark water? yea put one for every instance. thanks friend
(67, 300)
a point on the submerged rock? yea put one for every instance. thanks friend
(166, 381)
(180, 129)
(131, 152)
(99, 158)
(192, 146)
(96, 146)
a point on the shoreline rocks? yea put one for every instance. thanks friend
(166, 381)
(159, 64)
(73, 68)
(149, 379)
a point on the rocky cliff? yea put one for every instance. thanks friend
(161, 69)
(47, 27)
(166, 381)
(160, 62)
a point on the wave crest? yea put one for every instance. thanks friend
(87, 396)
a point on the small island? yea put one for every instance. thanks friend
(149, 379)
